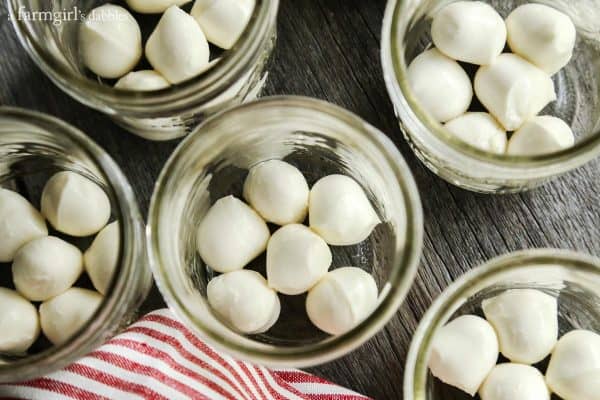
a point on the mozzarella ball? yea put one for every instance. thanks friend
(153, 6)
(20, 223)
(277, 191)
(101, 258)
(440, 85)
(296, 259)
(74, 204)
(231, 235)
(340, 212)
(341, 300)
(62, 316)
(542, 35)
(574, 369)
(110, 41)
(513, 90)
(526, 322)
(177, 48)
(46, 267)
(223, 21)
(514, 382)
(244, 300)
(464, 352)
(19, 322)
(469, 31)
(142, 81)
(541, 135)
(480, 130)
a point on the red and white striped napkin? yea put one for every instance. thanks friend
(158, 358)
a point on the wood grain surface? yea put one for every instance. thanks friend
(329, 49)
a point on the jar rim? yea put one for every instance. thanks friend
(395, 75)
(208, 85)
(416, 367)
(121, 292)
(403, 271)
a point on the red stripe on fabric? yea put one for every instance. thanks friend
(62, 388)
(150, 372)
(154, 352)
(280, 376)
(276, 394)
(300, 377)
(244, 368)
(171, 323)
(175, 344)
(286, 385)
(186, 354)
(115, 382)
(336, 396)
(291, 377)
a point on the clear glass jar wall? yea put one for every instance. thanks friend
(406, 33)
(320, 139)
(34, 146)
(238, 76)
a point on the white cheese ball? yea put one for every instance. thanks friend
(296, 259)
(62, 316)
(513, 90)
(223, 21)
(542, 35)
(469, 31)
(142, 81)
(526, 322)
(178, 48)
(440, 84)
(541, 135)
(153, 6)
(231, 235)
(464, 352)
(514, 382)
(277, 191)
(20, 223)
(480, 130)
(19, 322)
(341, 300)
(110, 41)
(46, 267)
(101, 258)
(244, 300)
(74, 204)
(574, 369)
(340, 212)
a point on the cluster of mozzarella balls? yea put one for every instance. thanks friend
(298, 257)
(177, 49)
(513, 87)
(45, 268)
(522, 324)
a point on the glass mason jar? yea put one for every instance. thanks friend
(34, 146)
(238, 76)
(406, 33)
(319, 139)
(573, 278)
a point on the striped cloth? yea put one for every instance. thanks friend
(158, 358)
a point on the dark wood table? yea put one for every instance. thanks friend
(330, 49)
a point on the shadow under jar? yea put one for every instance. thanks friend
(572, 278)
(406, 34)
(238, 76)
(33, 147)
(319, 139)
